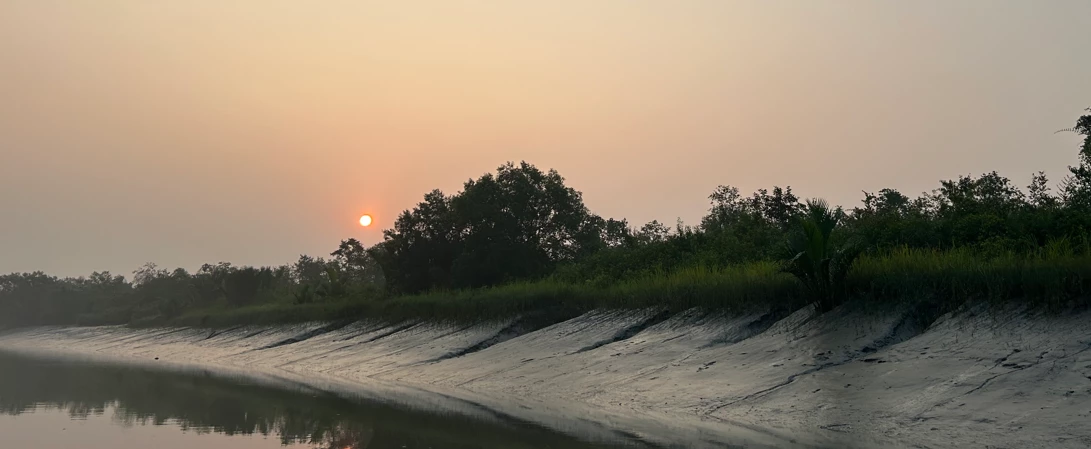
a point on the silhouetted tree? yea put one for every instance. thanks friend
(356, 265)
(517, 223)
(653, 232)
(1038, 192)
(242, 285)
(522, 223)
(1076, 187)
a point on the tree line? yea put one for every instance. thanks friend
(522, 223)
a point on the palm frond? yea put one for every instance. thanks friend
(818, 267)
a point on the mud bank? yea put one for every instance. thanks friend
(980, 378)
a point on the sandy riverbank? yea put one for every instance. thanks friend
(979, 378)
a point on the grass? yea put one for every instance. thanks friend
(957, 276)
(1052, 278)
(734, 289)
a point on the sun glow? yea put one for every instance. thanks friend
(365, 220)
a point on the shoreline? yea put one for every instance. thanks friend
(978, 378)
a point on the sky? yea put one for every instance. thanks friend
(255, 131)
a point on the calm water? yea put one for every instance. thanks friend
(65, 404)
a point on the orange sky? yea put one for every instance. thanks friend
(253, 131)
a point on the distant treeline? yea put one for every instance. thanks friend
(522, 224)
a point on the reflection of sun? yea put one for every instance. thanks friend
(365, 220)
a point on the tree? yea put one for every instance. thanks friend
(521, 205)
(887, 202)
(1038, 192)
(147, 273)
(989, 193)
(1076, 187)
(728, 208)
(161, 293)
(242, 285)
(418, 252)
(972, 211)
(359, 267)
(309, 270)
(29, 298)
(781, 207)
(1083, 128)
(819, 267)
(889, 219)
(653, 231)
(515, 224)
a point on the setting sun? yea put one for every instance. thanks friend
(365, 220)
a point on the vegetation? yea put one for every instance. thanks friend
(520, 240)
(820, 268)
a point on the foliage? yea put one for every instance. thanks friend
(517, 224)
(157, 295)
(1076, 188)
(819, 267)
(520, 239)
(1054, 278)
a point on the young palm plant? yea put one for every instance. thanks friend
(819, 267)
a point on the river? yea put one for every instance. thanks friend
(57, 403)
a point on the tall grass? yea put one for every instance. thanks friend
(1055, 276)
(1048, 277)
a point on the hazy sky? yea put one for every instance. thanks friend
(183, 132)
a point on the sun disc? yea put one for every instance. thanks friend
(365, 220)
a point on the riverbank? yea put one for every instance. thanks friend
(939, 279)
(980, 377)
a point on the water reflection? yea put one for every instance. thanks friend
(135, 396)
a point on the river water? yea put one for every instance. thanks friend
(48, 403)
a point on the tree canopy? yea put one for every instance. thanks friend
(520, 223)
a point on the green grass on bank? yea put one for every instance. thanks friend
(950, 278)
(734, 289)
(1051, 278)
